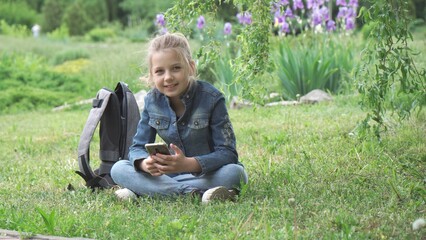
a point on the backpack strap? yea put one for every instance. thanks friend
(98, 107)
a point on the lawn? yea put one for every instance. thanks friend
(310, 177)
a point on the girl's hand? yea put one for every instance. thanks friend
(149, 165)
(176, 163)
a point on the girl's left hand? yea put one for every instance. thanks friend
(176, 163)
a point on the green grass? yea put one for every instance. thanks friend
(343, 188)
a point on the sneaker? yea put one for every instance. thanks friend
(218, 193)
(125, 194)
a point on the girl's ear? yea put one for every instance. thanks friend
(192, 68)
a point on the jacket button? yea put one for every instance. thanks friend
(182, 123)
(157, 122)
(196, 123)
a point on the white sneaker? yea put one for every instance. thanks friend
(218, 193)
(125, 194)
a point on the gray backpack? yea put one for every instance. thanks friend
(118, 114)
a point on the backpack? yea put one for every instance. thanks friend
(118, 114)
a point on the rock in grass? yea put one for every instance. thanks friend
(315, 96)
(419, 224)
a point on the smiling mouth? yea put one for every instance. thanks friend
(170, 86)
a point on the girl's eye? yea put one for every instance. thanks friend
(177, 67)
(158, 72)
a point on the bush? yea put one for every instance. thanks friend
(81, 16)
(53, 12)
(69, 55)
(61, 33)
(314, 62)
(29, 84)
(18, 13)
(13, 30)
(100, 34)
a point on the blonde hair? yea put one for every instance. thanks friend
(171, 41)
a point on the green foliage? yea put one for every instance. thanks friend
(100, 34)
(61, 33)
(28, 84)
(53, 12)
(312, 61)
(48, 219)
(224, 76)
(394, 72)
(252, 40)
(142, 13)
(69, 55)
(83, 15)
(18, 13)
(15, 30)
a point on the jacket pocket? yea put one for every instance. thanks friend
(198, 122)
(159, 122)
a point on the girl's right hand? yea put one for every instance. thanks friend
(149, 165)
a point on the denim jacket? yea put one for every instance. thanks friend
(204, 131)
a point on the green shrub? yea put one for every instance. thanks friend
(100, 34)
(83, 15)
(53, 12)
(224, 77)
(61, 33)
(18, 13)
(69, 55)
(13, 30)
(28, 83)
(313, 62)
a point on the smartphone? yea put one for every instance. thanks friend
(154, 148)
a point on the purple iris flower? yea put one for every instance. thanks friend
(244, 18)
(353, 3)
(160, 21)
(285, 27)
(325, 13)
(284, 2)
(227, 29)
(342, 12)
(288, 13)
(309, 4)
(201, 22)
(298, 4)
(340, 2)
(316, 17)
(331, 25)
(275, 7)
(351, 13)
(350, 24)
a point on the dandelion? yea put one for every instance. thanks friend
(201, 22)
(227, 29)
(160, 21)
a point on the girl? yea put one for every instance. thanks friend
(191, 117)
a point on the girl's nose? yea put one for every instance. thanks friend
(168, 76)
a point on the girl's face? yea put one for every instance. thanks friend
(170, 74)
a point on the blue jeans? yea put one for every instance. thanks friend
(124, 174)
